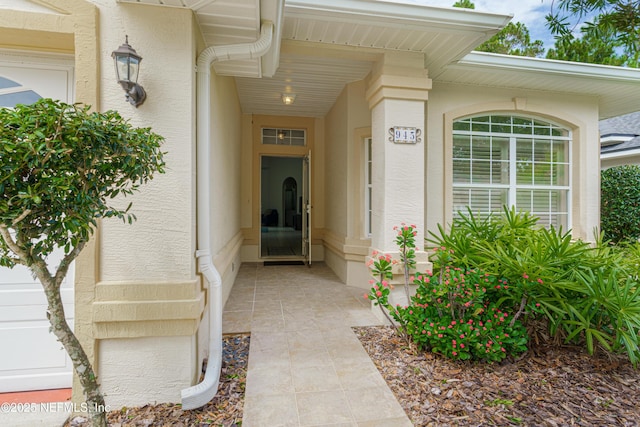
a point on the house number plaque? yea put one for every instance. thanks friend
(404, 135)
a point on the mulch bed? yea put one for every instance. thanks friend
(225, 409)
(548, 386)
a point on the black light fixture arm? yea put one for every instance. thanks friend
(134, 93)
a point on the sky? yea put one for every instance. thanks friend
(530, 12)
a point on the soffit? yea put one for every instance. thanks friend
(223, 22)
(441, 34)
(617, 89)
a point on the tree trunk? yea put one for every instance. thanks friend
(95, 406)
(94, 401)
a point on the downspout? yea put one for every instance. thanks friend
(199, 394)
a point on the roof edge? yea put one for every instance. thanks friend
(549, 66)
(393, 13)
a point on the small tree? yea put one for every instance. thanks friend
(620, 203)
(60, 166)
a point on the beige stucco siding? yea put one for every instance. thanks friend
(336, 149)
(166, 206)
(346, 125)
(578, 113)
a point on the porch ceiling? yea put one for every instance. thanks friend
(355, 30)
(321, 45)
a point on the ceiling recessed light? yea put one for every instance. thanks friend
(288, 98)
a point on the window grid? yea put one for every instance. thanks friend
(278, 136)
(514, 161)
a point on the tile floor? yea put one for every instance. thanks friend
(306, 365)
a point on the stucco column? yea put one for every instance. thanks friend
(397, 91)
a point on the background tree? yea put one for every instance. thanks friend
(591, 47)
(617, 19)
(620, 203)
(513, 39)
(60, 167)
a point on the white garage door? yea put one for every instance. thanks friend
(30, 356)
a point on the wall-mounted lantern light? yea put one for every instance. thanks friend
(281, 135)
(127, 63)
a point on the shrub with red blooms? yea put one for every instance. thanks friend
(455, 314)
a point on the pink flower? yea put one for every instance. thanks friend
(461, 345)
(374, 253)
(540, 281)
(378, 293)
(371, 282)
(454, 353)
(525, 275)
(385, 283)
(366, 296)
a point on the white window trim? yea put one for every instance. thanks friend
(368, 185)
(513, 186)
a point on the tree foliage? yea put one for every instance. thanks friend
(513, 39)
(593, 47)
(61, 166)
(615, 21)
(620, 203)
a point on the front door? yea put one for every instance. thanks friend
(283, 206)
(31, 357)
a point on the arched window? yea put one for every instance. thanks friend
(502, 159)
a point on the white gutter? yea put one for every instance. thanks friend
(199, 394)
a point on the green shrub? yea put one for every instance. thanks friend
(620, 203)
(588, 294)
(455, 314)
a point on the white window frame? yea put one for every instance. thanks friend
(512, 186)
(368, 185)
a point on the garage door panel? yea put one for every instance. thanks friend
(31, 298)
(31, 358)
(45, 356)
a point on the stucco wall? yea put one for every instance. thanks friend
(226, 137)
(137, 382)
(164, 207)
(336, 155)
(157, 251)
(346, 125)
(609, 162)
(578, 113)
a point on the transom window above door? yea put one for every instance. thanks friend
(277, 136)
(516, 161)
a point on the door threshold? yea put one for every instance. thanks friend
(283, 262)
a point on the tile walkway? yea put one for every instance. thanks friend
(306, 365)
